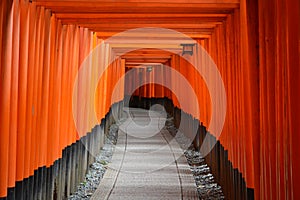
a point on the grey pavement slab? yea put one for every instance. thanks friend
(147, 162)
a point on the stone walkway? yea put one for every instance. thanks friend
(147, 162)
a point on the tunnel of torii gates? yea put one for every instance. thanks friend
(254, 44)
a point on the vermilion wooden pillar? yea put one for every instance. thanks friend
(293, 61)
(22, 89)
(6, 56)
(14, 95)
(28, 170)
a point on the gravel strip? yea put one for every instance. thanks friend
(207, 188)
(97, 169)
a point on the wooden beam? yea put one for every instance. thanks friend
(142, 63)
(154, 56)
(146, 45)
(149, 1)
(121, 50)
(140, 25)
(82, 15)
(136, 7)
(129, 35)
(132, 47)
(196, 36)
(148, 60)
(148, 52)
(149, 21)
(196, 28)
(150, 41)
(181, 30)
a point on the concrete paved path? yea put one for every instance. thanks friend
(147, 162)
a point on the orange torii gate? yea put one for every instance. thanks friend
(255, 45)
